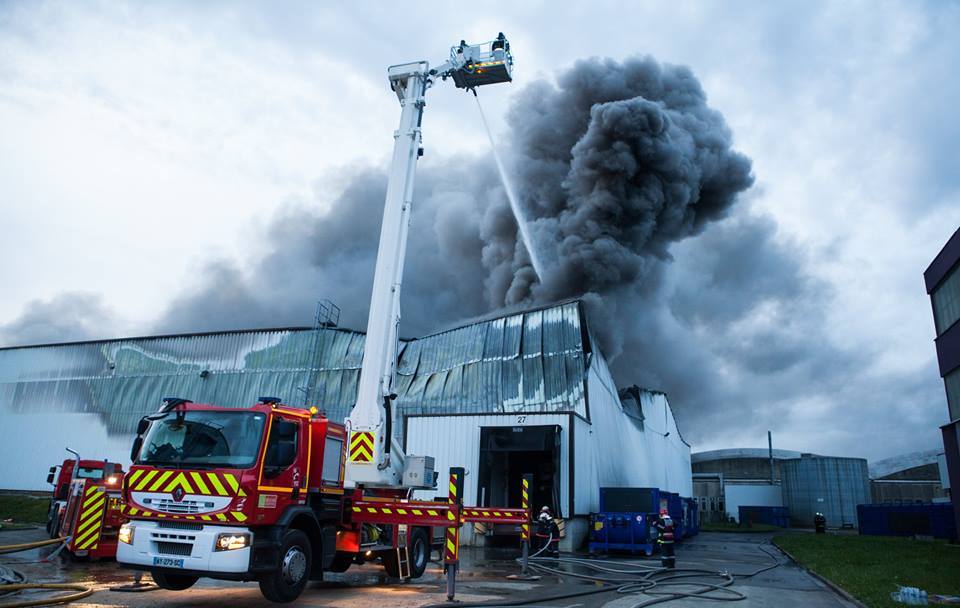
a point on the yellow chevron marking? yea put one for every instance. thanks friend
(160, 479)
(431, 513)
(134, 477)
(215, 481)
(94, 508)
(198, 481)
(453, 488)
(95, 531)
(179, 481)
(371, 510)
(239, 516)
(146, 479)
(85, 525)
(232, 481)
(402, 511)
(221, 517)
(450, 515)
(451, 546)
(496, 513)
(417, 512)
(357, 509)
(387, 511)
(90, 499)
(132, 510)
(160, 515)
(486, 513)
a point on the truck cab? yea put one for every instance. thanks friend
(239, 494)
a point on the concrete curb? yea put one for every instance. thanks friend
(836, 588)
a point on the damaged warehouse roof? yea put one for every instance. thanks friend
(531, 361)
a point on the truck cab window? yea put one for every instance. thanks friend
(281, 447)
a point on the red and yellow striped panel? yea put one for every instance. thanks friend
(451, 549)
(361, 447)
(203, 483)
(525, 505)
(222, 517)
(86, 536)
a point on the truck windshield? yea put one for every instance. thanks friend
(203, 439)
(89, 473)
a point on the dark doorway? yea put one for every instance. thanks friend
(509, 453)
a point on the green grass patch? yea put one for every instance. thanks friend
(728, 527)
(870, 567)
(23, 509)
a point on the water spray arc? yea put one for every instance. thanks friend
(514, 203)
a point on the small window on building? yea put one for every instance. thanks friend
(952, 383)
(946, 301)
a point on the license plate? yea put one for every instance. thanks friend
(168, 562)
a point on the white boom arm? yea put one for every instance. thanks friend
(374, 457)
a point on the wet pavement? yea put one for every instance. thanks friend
(483, 578)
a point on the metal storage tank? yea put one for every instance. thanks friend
(825, 484)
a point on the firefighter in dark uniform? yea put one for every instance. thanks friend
(664, 527)
(548, 532)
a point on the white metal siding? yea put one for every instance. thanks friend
(611, 450)
(454, 441)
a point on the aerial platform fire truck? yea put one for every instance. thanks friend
(279, 494)
(86, 508)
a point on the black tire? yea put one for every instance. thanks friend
(419, 555)
(289, 578)
(173, 582)
(341, 561)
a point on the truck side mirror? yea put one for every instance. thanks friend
(50, 478)
(135, 450)
(143, 425)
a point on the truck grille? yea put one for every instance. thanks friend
(180, 525)
(168, 548)
(185, 506)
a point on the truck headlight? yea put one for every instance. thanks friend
(229, 541)
(125, 535)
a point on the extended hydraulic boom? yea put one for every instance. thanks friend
(375, 458)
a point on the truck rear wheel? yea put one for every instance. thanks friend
(419, 555)
(291, 574)
(173, 582)
(341, 561)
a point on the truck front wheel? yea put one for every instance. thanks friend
(173, 582)
(289, 578)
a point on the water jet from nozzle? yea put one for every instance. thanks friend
(514, 204)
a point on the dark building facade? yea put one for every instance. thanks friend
(942, 280)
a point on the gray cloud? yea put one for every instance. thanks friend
(65, 317)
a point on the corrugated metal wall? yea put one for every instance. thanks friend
(828, 485)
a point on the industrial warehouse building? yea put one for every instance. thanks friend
(524, 393)
(806, 484)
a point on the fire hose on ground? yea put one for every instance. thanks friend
(80, 591)
(658, 584)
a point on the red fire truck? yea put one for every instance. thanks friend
(279, 495)
(258, 494)
(86, 507)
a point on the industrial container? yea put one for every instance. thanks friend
(930, 519)
(624, 522)
(767, 515)
(824, 484)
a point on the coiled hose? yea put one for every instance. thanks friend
(81, 591)
(660, 584)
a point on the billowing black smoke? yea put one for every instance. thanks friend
(616, 162)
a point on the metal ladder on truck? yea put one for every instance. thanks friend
(403, 552)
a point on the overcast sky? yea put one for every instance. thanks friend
(138, 143)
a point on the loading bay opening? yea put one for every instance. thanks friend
(509, 453)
